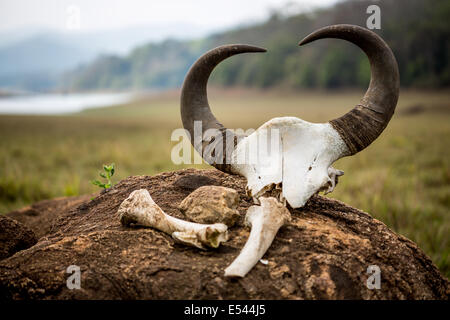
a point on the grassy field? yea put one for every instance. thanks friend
(403, 178)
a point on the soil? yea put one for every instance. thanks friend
(323, 253)
(14, 237)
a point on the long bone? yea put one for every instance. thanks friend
(265, 221)
(139, 208)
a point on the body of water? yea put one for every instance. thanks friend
(60, 103)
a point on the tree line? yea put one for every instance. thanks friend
(417, 31)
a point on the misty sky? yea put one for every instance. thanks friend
(94, 15)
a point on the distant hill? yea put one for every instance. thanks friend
(34, 59)
(417, 31)
(35, 63)
(159, 65)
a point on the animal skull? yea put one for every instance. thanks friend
(300, 163)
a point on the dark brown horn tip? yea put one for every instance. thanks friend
(254, 48)
(327, 32)
(241, 48)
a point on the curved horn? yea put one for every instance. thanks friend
(364, 123)
(194, 101)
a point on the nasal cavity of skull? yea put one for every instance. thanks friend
(326, 185)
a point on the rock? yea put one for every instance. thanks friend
(191, 182)
(14, 237)
(212, 204)
(323, 253)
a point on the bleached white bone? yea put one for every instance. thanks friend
(265, 220)
(139, 208)
(299, 159)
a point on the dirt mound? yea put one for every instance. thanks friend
(324, 253)
(40, 215)
(14, 237)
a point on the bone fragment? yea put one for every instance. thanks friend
(139, 208)
(265, 220)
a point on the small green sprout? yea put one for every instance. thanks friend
(109, 172)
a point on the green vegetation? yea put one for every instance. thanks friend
(416, 30)
(151, 66)
(107, 174)
(403, 178)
